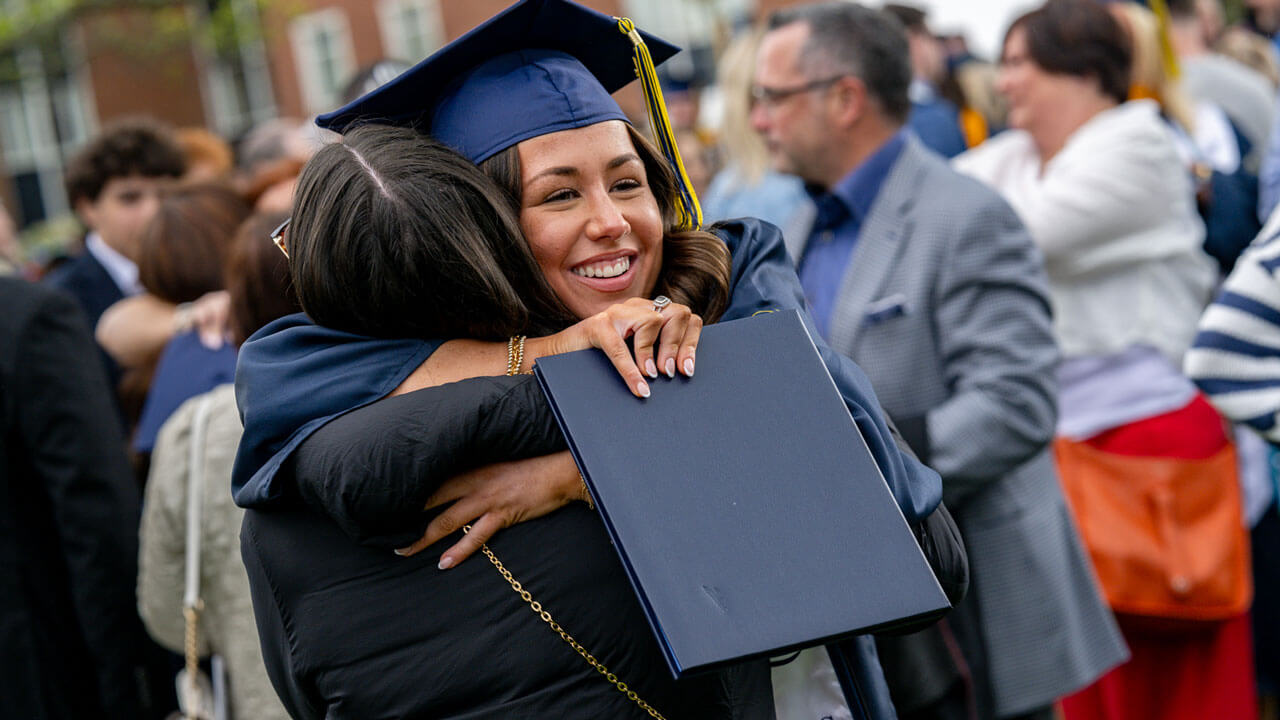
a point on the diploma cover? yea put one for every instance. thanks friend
(743, 502)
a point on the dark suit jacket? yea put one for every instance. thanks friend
(86, 280)
(68, 520)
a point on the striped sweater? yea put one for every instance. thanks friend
(1235, 359)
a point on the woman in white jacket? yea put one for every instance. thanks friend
(1099, 184)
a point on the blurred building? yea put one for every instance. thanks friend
(67, 67)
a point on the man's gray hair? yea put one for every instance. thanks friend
(845, 37)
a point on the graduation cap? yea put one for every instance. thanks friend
(538, 67)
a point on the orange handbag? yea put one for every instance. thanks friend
(1166, 535)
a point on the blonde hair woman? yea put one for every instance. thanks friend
(746, 186)
(1206, 138)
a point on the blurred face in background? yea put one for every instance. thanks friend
(122, 210)
(1264, 13)
(1020, 81)
(1036, 96)
(1209, 14)
(928, 57)
(789, 111)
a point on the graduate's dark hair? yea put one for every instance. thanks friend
(396, 235)
(696, 265)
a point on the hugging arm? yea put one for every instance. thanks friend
(374, 469)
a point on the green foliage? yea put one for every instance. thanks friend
(1233, 11)
(45, 240)
(174, 24)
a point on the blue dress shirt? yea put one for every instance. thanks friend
(836, 228)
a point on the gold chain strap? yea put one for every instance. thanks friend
(564, 635)
(192, 617)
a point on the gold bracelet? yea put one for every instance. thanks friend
(586, 493)
(515, 354)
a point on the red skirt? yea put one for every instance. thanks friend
(1193, 674)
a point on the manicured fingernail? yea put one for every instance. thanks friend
(402, 552)
(650, 368)
(671, 367)
(688, 367)
(643, 388)
(446, 562)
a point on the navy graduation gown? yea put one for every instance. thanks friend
(294, 376)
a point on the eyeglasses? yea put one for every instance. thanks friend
(772, 96)
(277, 236)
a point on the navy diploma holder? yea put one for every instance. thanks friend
(743, 502)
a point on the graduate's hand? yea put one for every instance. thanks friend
(662, 341)
(495, 497)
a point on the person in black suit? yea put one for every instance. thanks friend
(68, 520)
(114, 186)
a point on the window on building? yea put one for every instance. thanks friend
(411, 29)
(45, 116)
(324, 56)
(685, 23)
(236, 82)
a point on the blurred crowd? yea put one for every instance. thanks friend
(1058, 268)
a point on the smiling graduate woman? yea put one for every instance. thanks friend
(421, 275)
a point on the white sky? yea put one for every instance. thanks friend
(982, 21)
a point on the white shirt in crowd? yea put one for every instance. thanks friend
(121, 269)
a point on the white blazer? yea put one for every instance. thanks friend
(1114, 214)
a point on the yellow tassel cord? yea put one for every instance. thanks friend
(1167, 54)
(688, 211)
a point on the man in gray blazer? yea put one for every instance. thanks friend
(930, 283)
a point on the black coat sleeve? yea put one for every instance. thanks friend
(372, 469)
(69, 431)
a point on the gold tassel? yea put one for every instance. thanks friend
(688, 211)
(1167, 54)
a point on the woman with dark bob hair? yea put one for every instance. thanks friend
(182, 255)
(1101, 188)
(349, 437)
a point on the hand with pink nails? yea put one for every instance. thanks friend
(662, 342)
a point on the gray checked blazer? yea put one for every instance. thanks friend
(945, 306)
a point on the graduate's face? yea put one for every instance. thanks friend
(589, 215)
